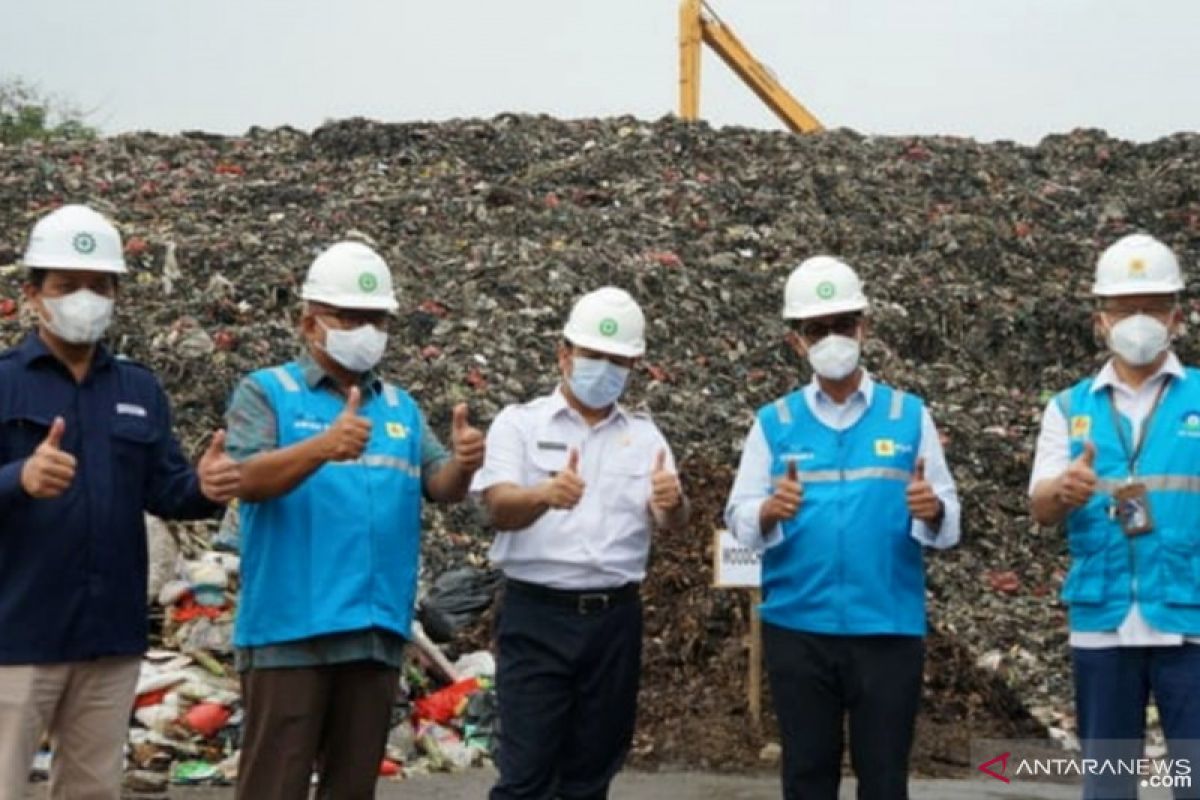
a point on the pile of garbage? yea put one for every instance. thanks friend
(187, 717)
(977, 258)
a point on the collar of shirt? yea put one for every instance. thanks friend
(33, 349)
(313, 374)
(559, 405)
(863, 394)
(1108, 378)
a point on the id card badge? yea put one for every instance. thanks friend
(1133, 509)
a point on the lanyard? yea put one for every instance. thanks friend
(1132, 457)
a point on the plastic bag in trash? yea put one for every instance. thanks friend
(456, 598)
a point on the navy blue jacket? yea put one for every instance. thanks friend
(73, 568)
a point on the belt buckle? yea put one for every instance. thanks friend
(588, 603)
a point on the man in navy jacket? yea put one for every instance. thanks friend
(85, 448)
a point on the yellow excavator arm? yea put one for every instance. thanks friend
(697, 28)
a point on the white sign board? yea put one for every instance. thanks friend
(734, 564)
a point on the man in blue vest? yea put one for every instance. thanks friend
(843, 482)
(1118, 459)
(334, 463)
(86, 448)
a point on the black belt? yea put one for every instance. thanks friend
(585, 601)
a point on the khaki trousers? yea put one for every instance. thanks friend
(85, 707)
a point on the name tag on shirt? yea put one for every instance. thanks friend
(131, 410)
(552, 446)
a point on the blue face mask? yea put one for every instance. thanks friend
(597, 383)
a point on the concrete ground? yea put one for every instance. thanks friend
(631, 785)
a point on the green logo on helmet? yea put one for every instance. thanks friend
(368, 282)
(826, 290)
(608, 327)
(84, 243)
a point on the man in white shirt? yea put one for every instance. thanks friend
(574, 483)
(842, 482)
(1118, 460)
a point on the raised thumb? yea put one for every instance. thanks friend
(660, 461)
(57, 429)
(919, 469)
(353, 400)
(573, 461)
(1088, 456)
(791, 470)
(217, 446)
(459, 420)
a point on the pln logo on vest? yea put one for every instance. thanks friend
(396, 431)
(1081, 426)
(885, 447)
(1189, 424)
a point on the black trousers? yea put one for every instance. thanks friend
(567, 684)
(334, 718)
(817, 681)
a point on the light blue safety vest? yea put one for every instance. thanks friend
(848, 563)
(1160, 569)
(339, 552)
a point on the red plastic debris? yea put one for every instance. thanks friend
(433, 307)
(445, 704)
(665, 258)
(1005, 582)
(207, 718)
(135, 246)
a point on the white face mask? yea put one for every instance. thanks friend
(1139, 339)
(835, 356)
(357, 350)
(80, 317)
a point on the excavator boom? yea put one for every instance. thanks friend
(696, 28)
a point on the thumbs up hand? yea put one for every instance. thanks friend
(783, 504)
(466, 441)
(49, 471)
(565, 489)
(220, 475)
(664, 485)
(347, 437)
(923, 504)
(1078, 482)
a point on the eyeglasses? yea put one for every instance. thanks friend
(815, 330)
(353, 318)
(1153, 308)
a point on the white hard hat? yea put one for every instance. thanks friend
(350, 275)
(75, 237)
(1137, 264)
(820, 286)
(607, 320)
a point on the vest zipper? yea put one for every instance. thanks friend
(841, 530)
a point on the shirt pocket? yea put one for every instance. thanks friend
(625, 482)
(22, 433)
(545, 463)
(1087, 580)
(133, 440)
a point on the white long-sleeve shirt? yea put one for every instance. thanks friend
(753, 484)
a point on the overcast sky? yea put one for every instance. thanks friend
(993, 69)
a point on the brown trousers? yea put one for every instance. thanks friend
(334, 718)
